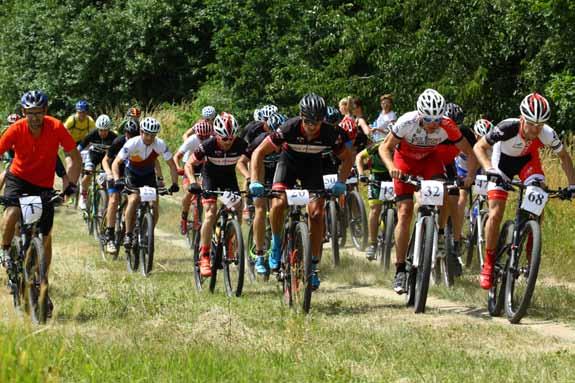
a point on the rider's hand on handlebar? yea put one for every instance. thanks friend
(497, 174)
(70, 189)
(395, 173)
(256, 189)
(363, 179)
(194, 188)
(174, 188)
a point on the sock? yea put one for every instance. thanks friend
(489, 256)
(204, 249)
(276, 238)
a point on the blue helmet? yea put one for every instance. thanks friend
(276, 120)
(82, 106)
(34, 99)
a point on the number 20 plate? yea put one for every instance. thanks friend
(534, 200)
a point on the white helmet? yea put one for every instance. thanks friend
(257, 114)
(482, 127)
(225, 125)
(103, 122)
(431, 104)
(150, 125)
(267, 111)
(535, 108)
(208, 112)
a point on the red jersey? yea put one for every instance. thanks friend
(35, 157)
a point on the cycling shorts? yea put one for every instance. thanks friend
(134, 181)
(430, 167)
(221, 181)
(290, 170)
(374, 190)
(528, 168)
(16, 187)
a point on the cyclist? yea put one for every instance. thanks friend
(79, 124)
(202, 131)
(35, 141)
(369, 158)
(131, 129)
(267, 175)
(220, 155)
(140, 153)
(516, 143)
(132, 113)
(93, 149)
(301, 140)
(411, 149)
(208, 115)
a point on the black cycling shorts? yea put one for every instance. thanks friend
(134, 181)
(16, 187)
(290, 170)
(222, 181)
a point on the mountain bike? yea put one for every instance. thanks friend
(475, 218)
(422, 250)
(334, 220)
(519, 251)
(227, 247)
(142, 248)
(26, 265)
(387, 222)
(355, 214)
(96, 207)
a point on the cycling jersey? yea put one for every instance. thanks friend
(94, 138)
(141, 158)
(78, 129)
(189, 146)
(416, 142)
(252, 130)
(375, 162)
(270, 161)
(384, 121)
(35, 158)
(115, 148)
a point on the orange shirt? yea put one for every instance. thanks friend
(35, 158)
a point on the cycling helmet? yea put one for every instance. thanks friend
(431, 104)
(225, 125)
(482, 127)
(350, 127)
(134, 112)
(209, 112)
(203, 128)
(34, 99)
(256, 114)
(150, 125)
(333, 115)
(313, 107)
(13, 118)
(535, 108)
(103, 122)
(276, 120)
(132, 127)
(455, 112)
(266, 111)
(82, 106)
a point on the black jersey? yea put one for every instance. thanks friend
(94, 138)
(218, 160)
(115, 148)
(252, 130)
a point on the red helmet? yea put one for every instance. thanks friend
(535, 108)
(13, 118)
(203, 129)
(225, 125)
(134, 112)
(349, 126)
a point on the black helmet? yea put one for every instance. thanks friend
(454, 112)
(333, 116)
(313, 107)
(132, 127)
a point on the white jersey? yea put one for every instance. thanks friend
(189, 146)
(141, 158)
(383, 122)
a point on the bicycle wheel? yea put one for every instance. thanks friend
(119, 232)
(17, 277)
(342, 225)
(133, 254)
(446, 265)
(198, 279)
(233, 259)
(469, 236)
(522, 272)
(389, 227)
(496, 295)
(480, 239)
(146, 242)
(249, 250)
(424, 267)
(100, 209)
(35, 281)
(89, 212)
(357, 220)
(332, 229)
(299, 269)
(194, 223)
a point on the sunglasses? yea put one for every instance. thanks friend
(429, 120)
(307, 121)
(226, 139)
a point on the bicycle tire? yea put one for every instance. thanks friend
(332, 221)
(388, 235)
(233, 257)
(342, 226)
(357, 220)
(249, 260)
(481, 245)
(424, 269)
(146, 243)
(198, 279)
(446, 267)
(496, 294)
(515, 312)
(100, 225)
(35, 281)
(119, 233)
(216, 262)
(470, 238)
(18, 284)
(411, 272)
(133, 254)
(299, 261)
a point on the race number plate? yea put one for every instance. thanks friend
(31, 207)
(297, 197)
(329, 180)
(351, 181)
(431, 193)
(147, 194)
(480, 186)
(534, 200)
(230, 199)
(386, 192)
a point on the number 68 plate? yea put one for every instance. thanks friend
(534, 200)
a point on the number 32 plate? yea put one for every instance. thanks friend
(431, 193)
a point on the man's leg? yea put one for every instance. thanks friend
(316, 209)
(277, 220)
(496, 210)
(210, 215)
(186, 203)
(402, 234)
(372, 226)
(130, 217)
(113, 203)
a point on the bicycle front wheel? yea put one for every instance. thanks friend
(36, 282)
(299, 269)
(388, 229)
(233, 259)
(17, 280)
(357, 219)
(424, 267)
(146, 242)
(496, 295)
(522, 272)
(332, 227)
